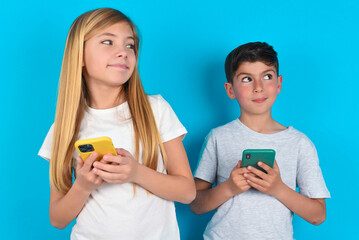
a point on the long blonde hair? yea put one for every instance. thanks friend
(73, 93)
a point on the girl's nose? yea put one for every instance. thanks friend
(121, 52)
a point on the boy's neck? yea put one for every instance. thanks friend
(261, 124)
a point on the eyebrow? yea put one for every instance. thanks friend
(114, 35)
(244, 73)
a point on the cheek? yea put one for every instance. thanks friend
(89, 59)
(241, 93)
(272, 87)
(132, 58)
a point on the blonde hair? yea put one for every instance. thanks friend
(73, 92)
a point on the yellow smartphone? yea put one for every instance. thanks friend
(101, 145)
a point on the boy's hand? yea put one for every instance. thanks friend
(270, 182)
(117, 169)
(237, 182)
(86, 179)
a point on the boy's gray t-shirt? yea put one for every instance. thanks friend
(253, 214)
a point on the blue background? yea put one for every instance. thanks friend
(183, 48)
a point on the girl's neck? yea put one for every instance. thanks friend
(261, 123)
(103, 97)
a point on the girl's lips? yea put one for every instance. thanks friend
(121, 66)
(259, 100)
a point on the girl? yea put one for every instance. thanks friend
(129, 196)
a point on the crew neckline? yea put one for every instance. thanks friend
(280, 134)
(120, 107)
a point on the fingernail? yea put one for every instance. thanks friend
(95, 164)
(259, 163)
(249, 168)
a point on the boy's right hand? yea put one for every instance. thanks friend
(237, 183)
(86, 179)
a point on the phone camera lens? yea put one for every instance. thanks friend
(248, 156)
(86, 148)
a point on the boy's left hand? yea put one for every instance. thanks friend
(270, 182)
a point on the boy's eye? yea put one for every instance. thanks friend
(107, 42)
(268, 76)
(246, 79)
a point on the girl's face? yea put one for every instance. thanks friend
(109, 56)
(255, 86)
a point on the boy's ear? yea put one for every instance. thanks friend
(280, 80)
(229, 89)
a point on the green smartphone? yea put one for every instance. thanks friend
(251, 157)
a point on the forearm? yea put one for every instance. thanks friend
(210, 199)
(170, 187)
(311, 210)
(64, 210)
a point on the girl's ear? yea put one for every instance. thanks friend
(229, 89)
(280, 80)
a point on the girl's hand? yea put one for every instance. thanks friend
(237, 183)
(270, 183)
(117, 169)
(86, 179)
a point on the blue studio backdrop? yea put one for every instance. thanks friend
(184, 45)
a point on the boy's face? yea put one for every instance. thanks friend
(255, 86)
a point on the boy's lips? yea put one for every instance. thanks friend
(259, 100)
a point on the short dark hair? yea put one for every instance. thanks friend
(250, 52)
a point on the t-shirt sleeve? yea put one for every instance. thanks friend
(208, 160)
(310, 179)
(45, 150)
(168, 123)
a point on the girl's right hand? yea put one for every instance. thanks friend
(236, 182)
(86, 179)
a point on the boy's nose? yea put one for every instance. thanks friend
(258, 86)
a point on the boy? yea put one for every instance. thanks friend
(252, 204)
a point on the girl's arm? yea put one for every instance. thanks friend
(176, 185)
(311, 210)
(208, 198)
(64, 208)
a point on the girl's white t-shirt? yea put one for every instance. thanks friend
(113, 211)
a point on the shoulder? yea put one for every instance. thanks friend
(226, 128)
(302, 139)
(167, 121)
(158, 103)
(156, 99)
(223, 130)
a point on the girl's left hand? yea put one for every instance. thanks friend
(117, 169)
(270, 182)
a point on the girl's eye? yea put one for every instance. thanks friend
(107, 42)
(130, 46)
(268, 76)
(246, 79)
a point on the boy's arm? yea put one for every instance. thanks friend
(208, 199)
(311, 210)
